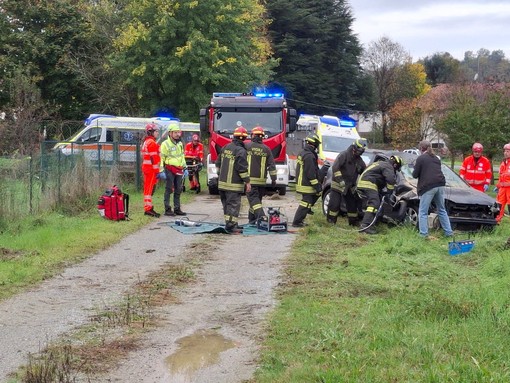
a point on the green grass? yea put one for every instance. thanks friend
(390, 308)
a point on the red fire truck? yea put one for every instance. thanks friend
(227, 111)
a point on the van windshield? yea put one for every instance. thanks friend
(336, 144)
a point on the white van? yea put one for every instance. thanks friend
(112, 139)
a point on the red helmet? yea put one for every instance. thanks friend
(195, 137)
(240, 132)
(150, 127)
(257, 131)
(506, 147)
(477, 147)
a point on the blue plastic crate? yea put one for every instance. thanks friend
(459, 247)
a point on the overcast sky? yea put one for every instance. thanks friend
(425, 27)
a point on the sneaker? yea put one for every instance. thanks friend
(169, 212)
(152, 213)
(179, 212)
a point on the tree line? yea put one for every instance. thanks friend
(61, 60)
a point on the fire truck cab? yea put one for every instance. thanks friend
(227, 111)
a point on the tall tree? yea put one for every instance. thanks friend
(383, 59)
(175, 54)
(318, 54)
(442, 68)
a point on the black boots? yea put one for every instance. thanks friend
(367, 225)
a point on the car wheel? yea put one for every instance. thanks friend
(325, 201)
(412, 215)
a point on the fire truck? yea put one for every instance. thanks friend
(227, 111)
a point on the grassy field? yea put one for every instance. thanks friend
(390, 308)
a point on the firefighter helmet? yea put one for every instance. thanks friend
(150, 128)
(506, 147)
(195, 137)
(240, 132)
(257, 131)
(359, 146)
(396, 160)
(313, 140)
(477, 147)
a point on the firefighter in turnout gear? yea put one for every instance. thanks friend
(150, 168)
(307, 179)
(233, 176)
(260, 162)
(347, 167)
(378, 176)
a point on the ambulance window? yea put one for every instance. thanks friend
(91, 135)
(109, 136)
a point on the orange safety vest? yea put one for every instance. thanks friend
(150, 155)
(194, 151)
(504, 174)
(476, 174)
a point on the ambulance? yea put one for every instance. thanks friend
(335, 134)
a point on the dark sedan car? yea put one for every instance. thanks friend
(468, 208)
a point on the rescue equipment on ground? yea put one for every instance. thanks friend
(186, 222)
(274, 220)
(459, 247)
(113, 204)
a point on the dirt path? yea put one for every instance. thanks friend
(209, 336)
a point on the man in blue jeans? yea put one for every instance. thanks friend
(431, 183)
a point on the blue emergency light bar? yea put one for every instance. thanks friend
(269, 95)
(259, 95)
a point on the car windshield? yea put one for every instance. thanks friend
(452, 178)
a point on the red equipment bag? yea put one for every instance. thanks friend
(113, 204)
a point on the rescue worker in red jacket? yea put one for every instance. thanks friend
(378, 176)
(347, 167)
(476, 169)
(503, 184)
(308, 182)
(233, 177)
(150, 168)
(260, 162)
(194, 154)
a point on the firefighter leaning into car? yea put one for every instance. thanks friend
(503, 184)
(233, 176)
(373, 180)
(150, 168)
(260, 162)
(308, 182)
(173, 165)
(347, 167)
(194, 155)
(476, 169)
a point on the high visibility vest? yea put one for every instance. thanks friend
(172, 153)
(150, 155)
(504, 174)
(477, 174)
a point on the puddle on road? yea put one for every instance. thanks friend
(196, 351)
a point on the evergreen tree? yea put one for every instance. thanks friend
(318, 54)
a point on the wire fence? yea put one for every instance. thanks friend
(63, 180)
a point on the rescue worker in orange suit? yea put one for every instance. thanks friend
(307, 179)
(476, 169)
(173, 165)
(378, 176)
(347, 167)
(194, 154)
(233, 178)
(260, 163)
(503, 184)
(150, 168)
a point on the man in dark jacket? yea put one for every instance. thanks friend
(347, 167)
(307, 179)
(378, 176)
(260, 162)
(431, 183)
(232, 169)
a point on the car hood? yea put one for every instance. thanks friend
(468, 196)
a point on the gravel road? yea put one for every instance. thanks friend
(209, 335)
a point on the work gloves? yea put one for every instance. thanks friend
(161, 175)
(186, 173)
(485, 187)
(318, 188)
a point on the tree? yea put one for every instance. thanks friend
(382, 60)
(406, 122)
(442, 68)
(318, 55)
(174, 55)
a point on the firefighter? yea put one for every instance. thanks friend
(307, 179)
(476, 169)
(173, 165)
(150, 168)
(194, 154)
(503, 184)
(233, 177)
(347, 167)
(260, 162)
(376, 177)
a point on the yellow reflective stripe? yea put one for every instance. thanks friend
(222, 185)
(367, 185)
(371, 209)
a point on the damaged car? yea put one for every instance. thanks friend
(468, 208)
